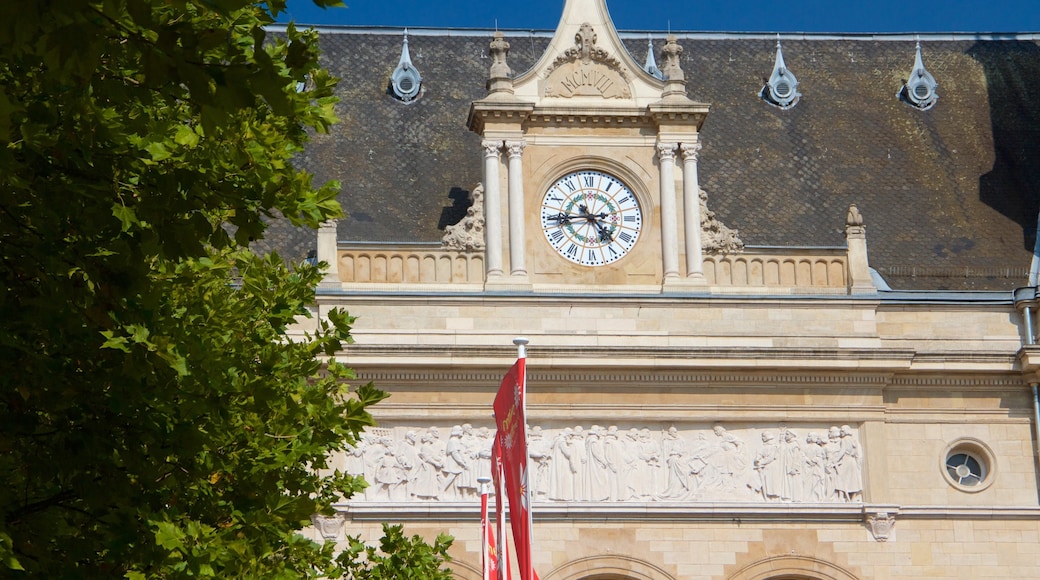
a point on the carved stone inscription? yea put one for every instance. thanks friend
(586, 70)
(576, 79)
(610, 464)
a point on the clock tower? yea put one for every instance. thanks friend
(590, 165)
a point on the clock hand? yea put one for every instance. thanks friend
(605, 235)
(561, 218)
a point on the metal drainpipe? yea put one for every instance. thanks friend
(1029, 324)
(1036, 416)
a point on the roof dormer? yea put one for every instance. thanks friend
(651, 63)
(919, 89)
(405, 82)
(781, 90)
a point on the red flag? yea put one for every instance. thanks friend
(504, 571)
(490, 553)
(509, 415)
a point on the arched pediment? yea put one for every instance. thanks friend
(792, 567)
(608, 567)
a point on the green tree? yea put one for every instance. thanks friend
(155, 421)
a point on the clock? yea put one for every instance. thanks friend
(591, 218)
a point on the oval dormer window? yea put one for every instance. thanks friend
(405, 82)
(781, 88)
(919, 90)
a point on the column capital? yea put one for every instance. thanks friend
(515, 148)
(690, 150)
(666, 150)
(491, 148)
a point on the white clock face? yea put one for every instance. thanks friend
(591, 218)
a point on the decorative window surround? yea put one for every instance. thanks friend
(919, 89)
(969, 465)
(405, 81)
(781, 90)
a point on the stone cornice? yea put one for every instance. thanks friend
(685, 512)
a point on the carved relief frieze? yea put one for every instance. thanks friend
(585, 70)
(630, 463)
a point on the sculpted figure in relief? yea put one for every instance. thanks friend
(467, 481)
(564, 469)
(390, 478)
(597, 485)
(581, 453)
(613, 454)
(769, 467)
(540, 453)
(674, 450)
(849, 474)
(427, 485)
(729, 460)
(793, 488)
(455, 464)
(408, 460)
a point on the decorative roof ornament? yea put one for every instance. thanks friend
(674, 77)
(405, 82)
(499, 79)
(651, 63)
(919, 89)
(781, 90)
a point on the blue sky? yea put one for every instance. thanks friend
(695, 15)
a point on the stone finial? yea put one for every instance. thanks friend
(675, 78)
(468, 234)
(853, 218)
(499, 79)
(860, 281)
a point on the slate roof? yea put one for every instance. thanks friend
(949, 195)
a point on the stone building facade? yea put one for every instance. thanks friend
(779, 295)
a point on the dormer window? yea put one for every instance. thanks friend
(919, 90)
(405, 82)
(781, 89)
(651, 63)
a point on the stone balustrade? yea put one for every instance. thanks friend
(409, 264)
(786, 269)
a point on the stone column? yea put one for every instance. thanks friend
(517, 247)
(669, 224)
(328, 251)
(492, 208)
(692, 212)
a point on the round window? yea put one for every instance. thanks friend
(922, 91)
(968, 465)
(783, 89)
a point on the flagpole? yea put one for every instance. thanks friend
(483, 480)
(500, 522)
(521, 354)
